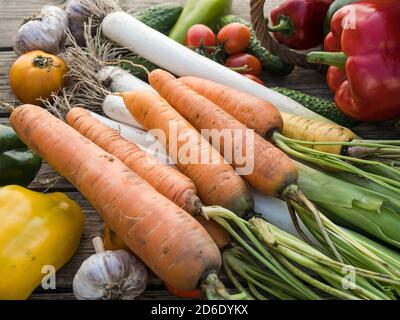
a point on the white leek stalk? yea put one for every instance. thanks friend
(154, 46)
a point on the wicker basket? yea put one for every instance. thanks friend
(260, 24)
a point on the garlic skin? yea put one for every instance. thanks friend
(79, 12)
(110, 275)
(45, 31)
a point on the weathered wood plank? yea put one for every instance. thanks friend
(13, 13)
(306, 80)
(147, 295)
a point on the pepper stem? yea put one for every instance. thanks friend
(285, 26)
(336, 59)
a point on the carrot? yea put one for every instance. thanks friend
(273, 173)
(112, 241)
(220, 236)
(299, 128)
(170, 241)
(165, 179)
(264, 118)
(254, 112)
(216, 181)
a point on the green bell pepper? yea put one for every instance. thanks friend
(18, 165)
(335, 6)
(199, 12)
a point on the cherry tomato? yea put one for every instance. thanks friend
(240, 60)
(200, 34)
(235, 37)
(254, 78)
(195, 294)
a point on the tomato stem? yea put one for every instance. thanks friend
(44, 62)
(244, 68)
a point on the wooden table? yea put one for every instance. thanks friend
(12, 14)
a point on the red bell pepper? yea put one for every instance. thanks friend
(366, 63)
(299, 23)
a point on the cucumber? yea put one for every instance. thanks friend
(270, 62)
(161, 17)
(324, 107)
(137, 71)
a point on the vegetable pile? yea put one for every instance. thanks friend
(125, 105)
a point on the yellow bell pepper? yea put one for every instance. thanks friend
(36, 230)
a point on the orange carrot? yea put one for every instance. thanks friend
(170, 241)
(273, 171)
(112, 241)
(220, 236)
(255, 113)
(165, 179)
(216, 181)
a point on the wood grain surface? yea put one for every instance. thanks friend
(12, 13)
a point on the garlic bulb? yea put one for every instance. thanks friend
(45, 31)
(110, 275)
(79, 11)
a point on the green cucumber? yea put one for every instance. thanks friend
(270, 62)
(324, 107)
(137, 71)
(161, 17)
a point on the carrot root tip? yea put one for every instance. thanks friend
(214, 289)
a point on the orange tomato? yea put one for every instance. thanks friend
(36, 74)
(235, 37)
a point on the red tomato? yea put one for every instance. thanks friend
(241, 60)
(200, 34)
(195, 294)
(235, 37)
(254, 78)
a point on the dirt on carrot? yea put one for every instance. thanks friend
(253, 112)
(216, 181)
(273, 171)
(164, 178)
(170, 241)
